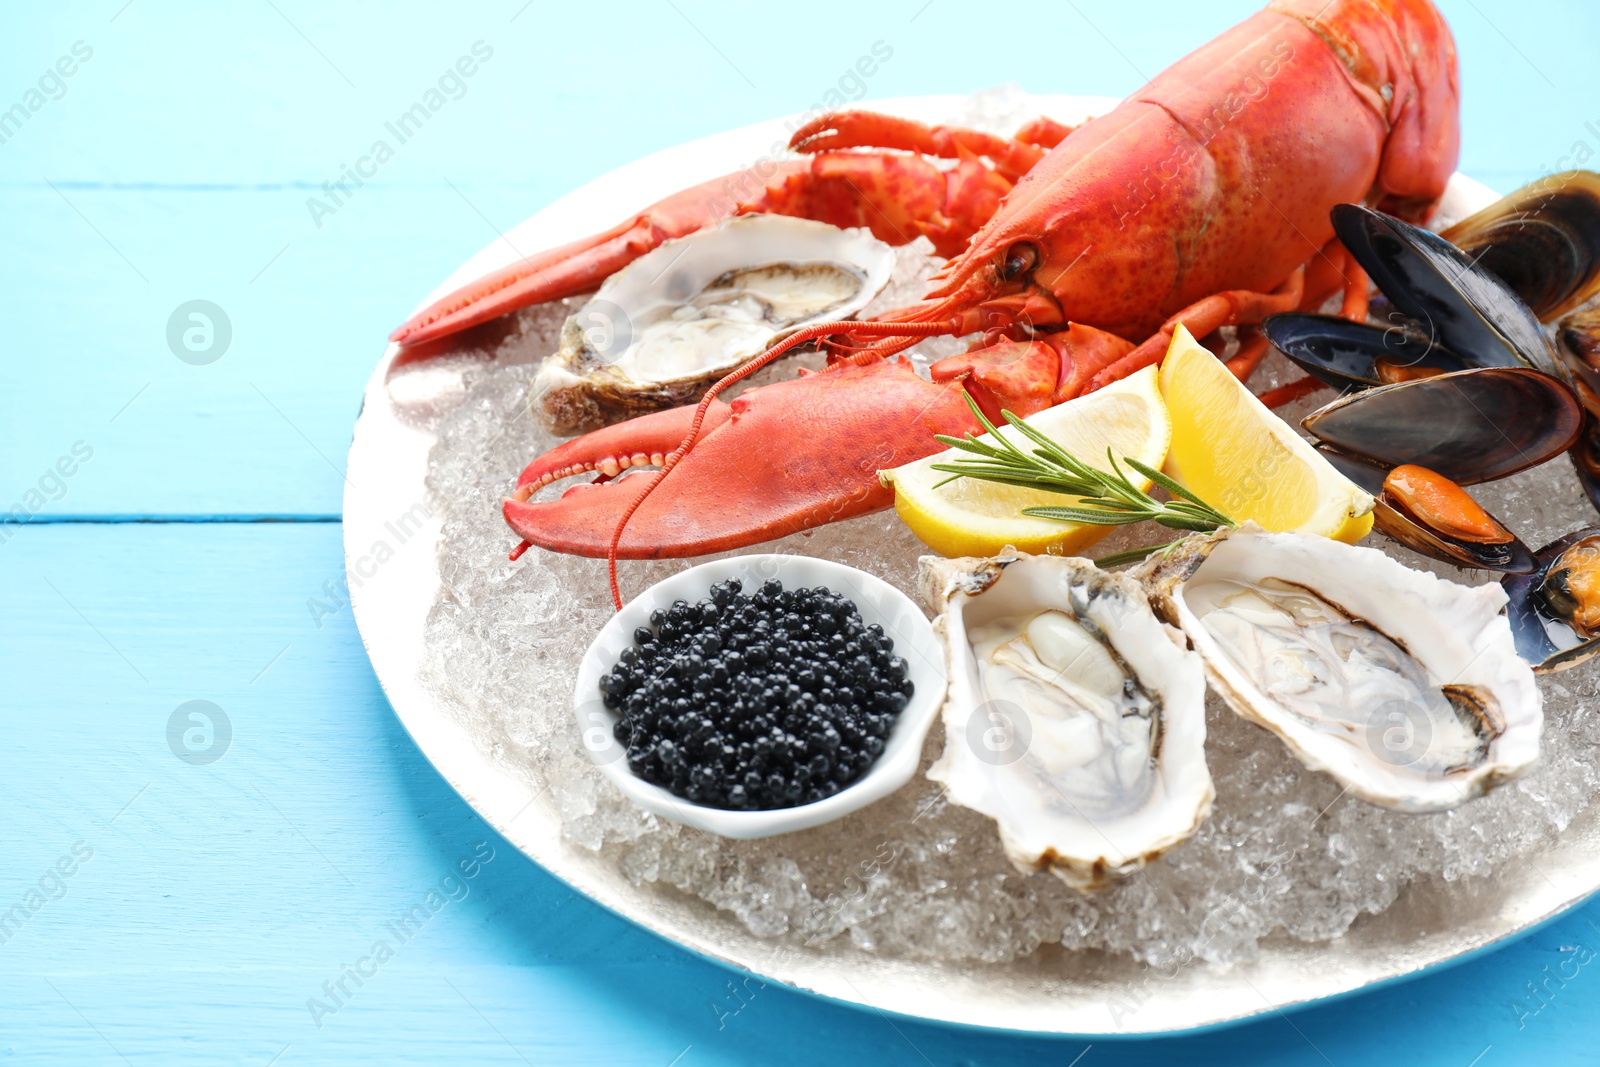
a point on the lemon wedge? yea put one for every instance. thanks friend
(1236, 455)
(968, 517)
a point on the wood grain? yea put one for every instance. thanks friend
(221, 897)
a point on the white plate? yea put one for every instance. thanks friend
(1051, 991)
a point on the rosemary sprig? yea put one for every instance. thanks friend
(1105, 498)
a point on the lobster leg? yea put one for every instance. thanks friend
(1034, 375)
(1253, 348)
(1044, 132)
(1335, 270)
(1013, 157)
(1244, 308)
(898, 197)
(1329, 271)
(1234, 307)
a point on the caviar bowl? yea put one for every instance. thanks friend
(878, 602)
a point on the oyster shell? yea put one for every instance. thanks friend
(1404, 687)
(672, 322)
(1073, 717)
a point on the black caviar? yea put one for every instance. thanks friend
(756, 702)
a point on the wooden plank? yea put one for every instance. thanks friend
(172, 170)
(220, 897)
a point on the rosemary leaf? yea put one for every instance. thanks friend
(1177, 489)
(1092, 516)
(991, 429)
(1132, 555)
(1104, 497)
(973, 445)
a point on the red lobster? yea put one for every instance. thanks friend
(1203, 197)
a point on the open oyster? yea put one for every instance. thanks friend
(1405, 687)
(672, 322)
(1073, 717)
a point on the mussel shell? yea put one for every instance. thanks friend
(1585, 457)
(1366, 473)
(1580, 333)
(1344, 354)
(1580, 351)
(1471, 426)
(1542, 240)
(1511, 557)
(1542, 640)
(1467, 309)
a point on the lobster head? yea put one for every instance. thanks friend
(1007, 279)
(1114, 227)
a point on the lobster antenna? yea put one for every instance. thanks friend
(800, 337)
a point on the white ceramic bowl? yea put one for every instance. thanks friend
(878, 601)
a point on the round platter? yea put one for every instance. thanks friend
(1050, 991)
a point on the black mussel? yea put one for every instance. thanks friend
(1580, 350)
(1347, 354)
(1434, 516)
(1580, 340)
(1586, 458)
(1581, 334)
(1469, 426)
(1542, 240)
(1368, 474)
(1427, 513)
(1555, 611)
(1570, 590)
(1464, 308)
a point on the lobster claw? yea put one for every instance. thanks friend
(779, 459)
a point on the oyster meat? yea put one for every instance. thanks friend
(1073, 717)
(672, 322)
(1404, 687)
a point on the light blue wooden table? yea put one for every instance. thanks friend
(174, 912)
